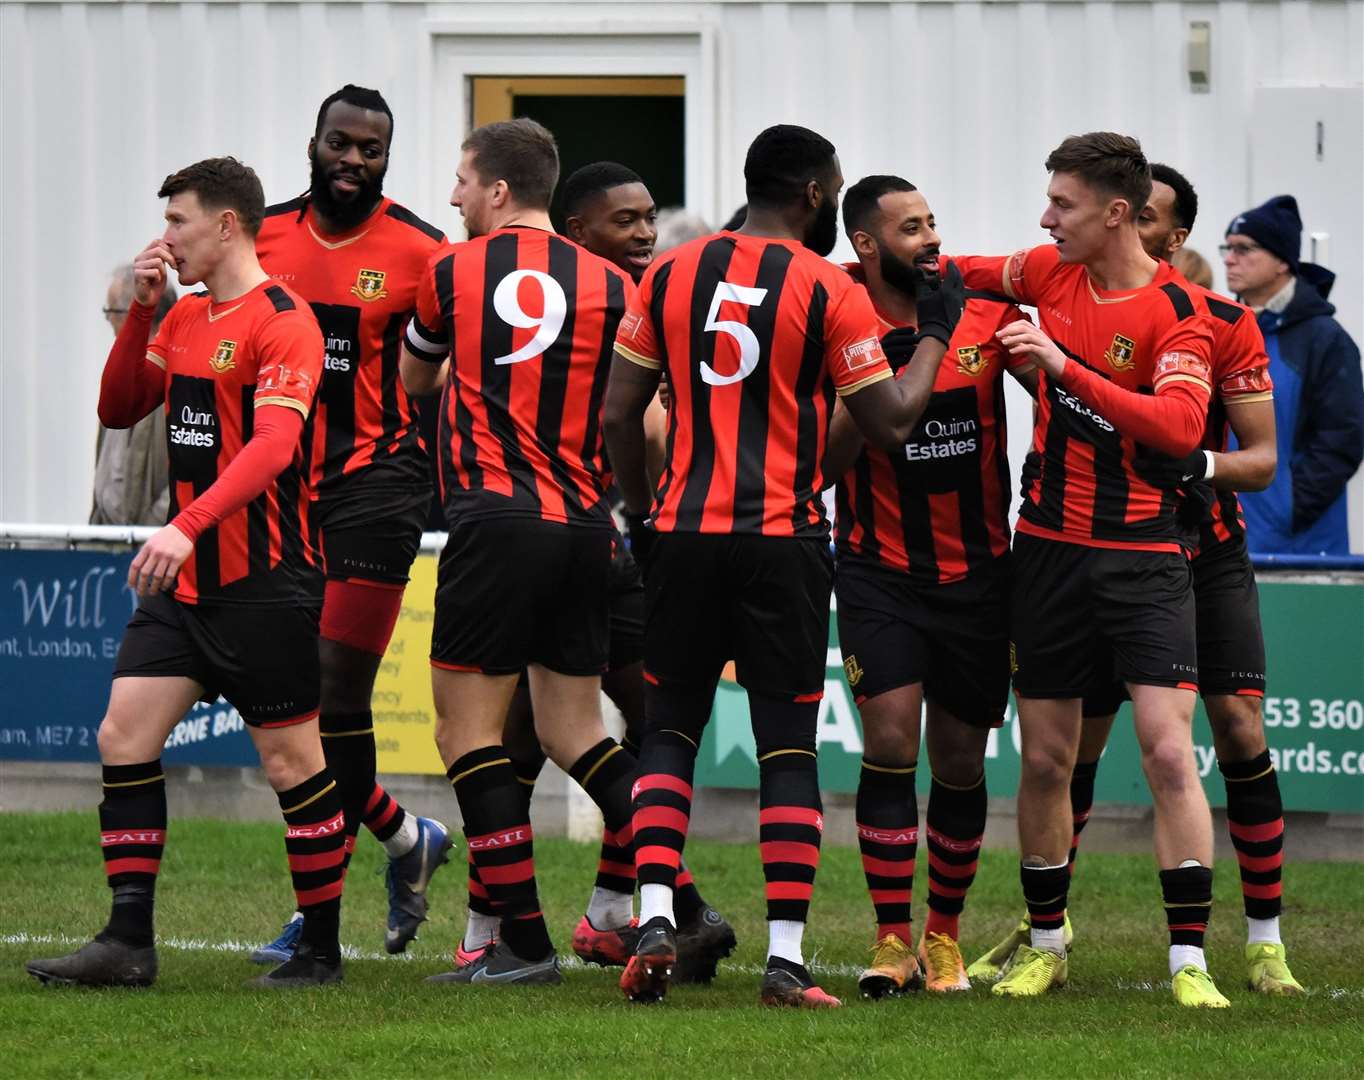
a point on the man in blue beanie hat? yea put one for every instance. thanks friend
(1318, 389)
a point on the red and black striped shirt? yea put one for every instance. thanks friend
(1240, 375)
(756, 336)
(528, 320)
(222, 361)
(1083, 483)
(938, 508)
(362, 286)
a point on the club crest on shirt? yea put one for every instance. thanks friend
(222, 358)
(853, 670)
(369, 285)
(970, 361)
(1122, 354)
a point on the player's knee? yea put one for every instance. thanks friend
(1047, 765)
(1237, 728)
(114, 737)
(888, 744)
(1169, 766)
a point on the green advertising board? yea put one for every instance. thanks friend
(1313, 710)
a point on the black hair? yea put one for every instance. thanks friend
(860, 200)
(782, 161)
(1186, 199)
(362, 98)
(592, 180)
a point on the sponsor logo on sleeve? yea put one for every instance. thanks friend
(369, 285)
(630, 324)
(1181, 363)
(863, 354)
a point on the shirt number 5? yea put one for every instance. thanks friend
(749, 349)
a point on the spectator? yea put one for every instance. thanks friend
(1318, 389)
(131, 482)
(1193, 266)
(677, 227)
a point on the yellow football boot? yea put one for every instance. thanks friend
(943, 967)
(1032, 972)
(996, 962)
(1269, 972)
(893, 969)
(1194, 988)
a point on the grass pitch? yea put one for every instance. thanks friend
(224, 887)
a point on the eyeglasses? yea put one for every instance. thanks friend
(110, 312)
(1239, 250)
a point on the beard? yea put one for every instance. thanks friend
(907, 277)
(823, 232)
(350, 212)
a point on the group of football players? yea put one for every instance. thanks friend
(705, 398)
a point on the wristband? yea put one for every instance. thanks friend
(1212, 464)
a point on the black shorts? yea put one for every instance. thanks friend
(953, 638)
(761, 601)
(1231, 643)
(1084, 617)
(512, 591)
(626, 619)
(369, 527)
(261, 657)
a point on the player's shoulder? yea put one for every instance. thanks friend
(282, 218)
(1220, 307)
(277, 304)
(403, 222)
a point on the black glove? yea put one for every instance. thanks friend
(639, 529)
(1195, 505)
(940, 304)
(1166, 472)
(899, 346)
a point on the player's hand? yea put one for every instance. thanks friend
(1195, 504)
(1022, 338)
(899, 345)
(940, 302)
(157, 564)
(639, 528)
(150, 270)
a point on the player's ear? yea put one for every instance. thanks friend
(1177, 239)
(312, 150)
(500, 194)
(1118, 211)
(228, 224)
(814, 194)
(865, 244)
(575, 228)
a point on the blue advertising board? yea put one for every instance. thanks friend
(62, 615)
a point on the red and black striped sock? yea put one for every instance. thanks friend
(1045, 889)
(315, 840)
(348, 746)
(606, 773)
(888, 836)
(497, 828)
(790, 825)
(1081, 802)
(382, 815)
(1187, 892)
(662, 806)
(527, 773)
(1255, 821)
(956, 829)
(132, 835)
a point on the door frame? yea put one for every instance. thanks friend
(458, 49)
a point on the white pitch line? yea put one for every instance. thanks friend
(350, 952)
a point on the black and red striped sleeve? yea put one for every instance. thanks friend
(428, 335)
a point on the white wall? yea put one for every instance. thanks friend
(103, 100)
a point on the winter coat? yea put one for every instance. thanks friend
(1319, 414)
